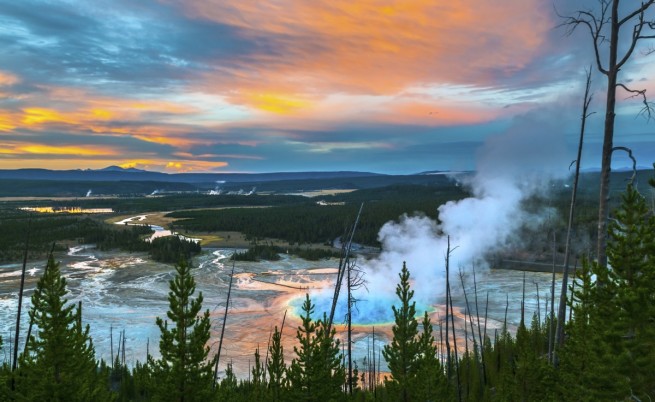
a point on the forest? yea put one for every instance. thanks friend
(607, 352)
(44, 233)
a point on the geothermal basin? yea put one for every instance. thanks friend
(126, 292)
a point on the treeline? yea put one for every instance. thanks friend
(171, 248)
(175, 202)
(312, 223)
(46, 230)
(268, 252)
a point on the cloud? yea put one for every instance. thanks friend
(377, 85)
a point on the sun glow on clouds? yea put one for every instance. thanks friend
(288, 77)
(194, 166)
(381, 47)
(38, 149)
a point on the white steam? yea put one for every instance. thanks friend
(510, 168)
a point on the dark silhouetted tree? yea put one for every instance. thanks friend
(402, 354)
(60, 363)
(183, 373)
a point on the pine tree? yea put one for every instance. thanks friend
(631, 252)
(60, 363)
(276, 367)
(258, 377)
(430, 379)
(183, 373)
(316, 374)
(330, 374)
(401, 354)
(610, 353)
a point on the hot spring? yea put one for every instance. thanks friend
(126, 292)
(368, 310)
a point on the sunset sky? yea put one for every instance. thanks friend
(285, 85)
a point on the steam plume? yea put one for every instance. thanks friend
(511, 167)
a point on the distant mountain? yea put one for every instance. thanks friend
(114, 168)
(116, 173)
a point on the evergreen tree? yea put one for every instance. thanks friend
(60, 364)
(183, 373)
(430, 378)
(276, 367)
(401, 354)
(316, 374)
(329, 374)
(258, 377)
(610, 353)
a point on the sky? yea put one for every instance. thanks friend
(285, 85)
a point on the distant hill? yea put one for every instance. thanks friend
(116, 173)
(114, 168)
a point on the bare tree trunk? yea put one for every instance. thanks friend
(551, 321)
(20, 300)
(350, 331)
(220, 342)
(604, 27)
(561, 314)
(608, 140)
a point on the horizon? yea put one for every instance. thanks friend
(222, 87)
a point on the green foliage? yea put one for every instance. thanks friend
(258, 252)
(270, 252)
(303, 223)
(316, 373)
(183, 373)
(60, 363)
(611, 350)
(276, 368)
(173, 248)
(402, 354)
(430, 382)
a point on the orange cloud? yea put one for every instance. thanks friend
(7, 121)
(194, 166)
(380, 46)
(279, 104)
(8, 78)
(65, 150)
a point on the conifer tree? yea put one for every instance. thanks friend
(430, 379)
(60, 364)
(610, 353)
(258, 377)
(316, 374)
(401, 354)
(183, 373)
(276, 367)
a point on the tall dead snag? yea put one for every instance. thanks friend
(343, 265)
(220, 342)
(20, 298)
(561, 313)
(605, 26)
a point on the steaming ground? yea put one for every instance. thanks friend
(126, 292)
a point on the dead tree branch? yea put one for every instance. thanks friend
(634, 161)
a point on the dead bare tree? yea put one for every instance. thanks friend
(604, 26)
(355, 280)
(220, 342)
(20, 298)
(343, 264)
(561, 314)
